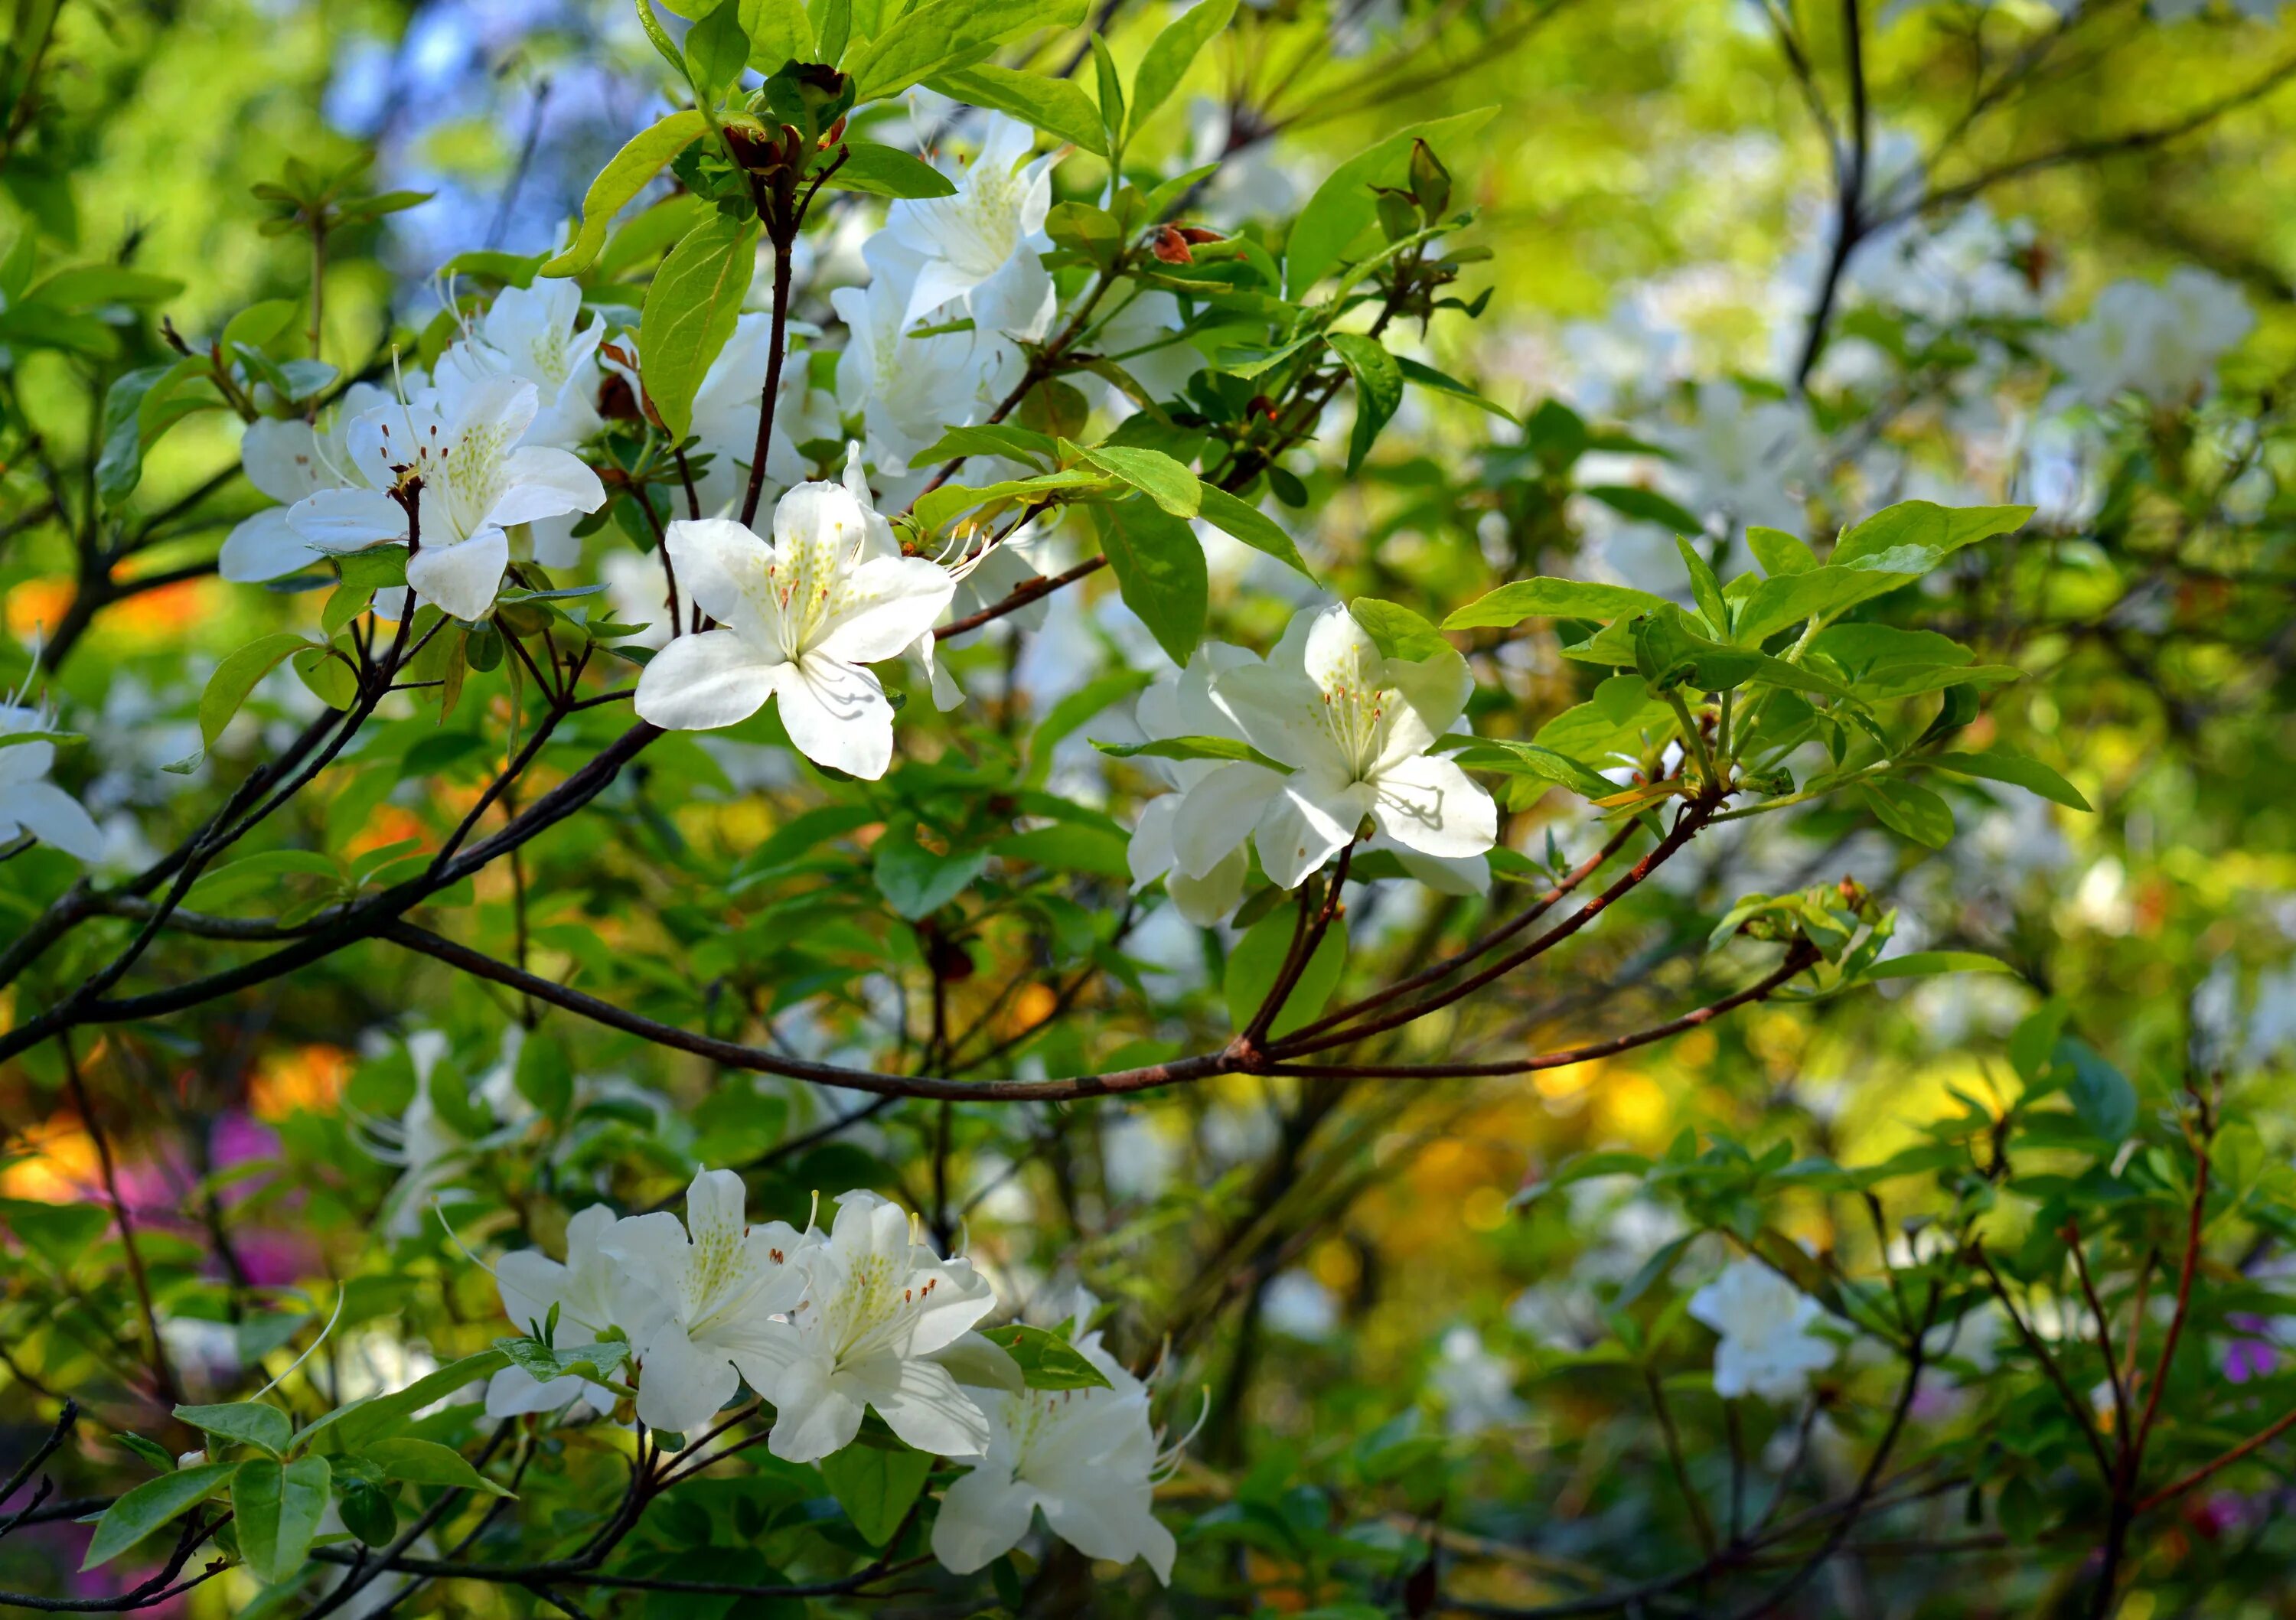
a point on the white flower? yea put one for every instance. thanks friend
(1355, 726)
(1476, 1387)
(879, 1313)
(993, 223)
(29, 801)
(475, 481)
(911, 389)
(1766, 1347)
(529, 333)
(1206, 887)
(1742, 460)
(1086, 1457)
(802, 615)
(2162, 342)
(726, 417)
(583, 1290)
(704, 1295)
(289, 461)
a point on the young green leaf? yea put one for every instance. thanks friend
(625, 175)
(277, 1511)
(1159, 566)
(690, 312)
(1242, 520)
(1152, 473)
(427, 1462)
(1169, 56)
(2015, 769)
(1045, 1359)
(717, 50)
(1342, 206)
(1258, 959)
(237, 675)
(150, 1505)
(876, 1486)
(942, 35)
(1778, 551)
(1511, 604)
(1379, 390)
(244, 1422)
(1060, 108)
(887, 171)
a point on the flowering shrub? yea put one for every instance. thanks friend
(1036, 716)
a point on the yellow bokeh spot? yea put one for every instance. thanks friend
(1697, 1049)
(61, 1168)
(1634, 1108)
(1030, 1008)
(1334, 1264)
(1485, 1209)
(35, 605)
(307, 1078)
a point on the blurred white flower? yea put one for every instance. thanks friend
(29, 803)
(290, 461)
(1767, 1348)
(582, 1290)
(2161, 341)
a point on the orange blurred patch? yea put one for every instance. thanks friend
(309, 1077)
(386, 825)
(61, 1168)
(169, 608)
(1030, 1008)
(38, 604)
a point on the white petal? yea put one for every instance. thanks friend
(515, 1392)
(960, 1298)
(1435, 692)
(1150, 853)
(699, 682)
(836, 715)
(529, 1282)
(980, 1362)
(264, 546)
(1306, 821)
(818, 512)
(1207, 900)
(281, 459)
(54, 818)
(927, 1409)
(712, 557)
(462, 578)
(681, 1385)
(343, 520)
(893, 601)
(938, 282)
(1429, 805)
(1216, 814)
(545, 483)
(812, 1417)
(982, 1517)
(1279, 712)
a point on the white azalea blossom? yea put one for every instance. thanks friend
(726, 417)
(29, 803)
(993, 227)
(1085, 1457)
(699, 1300)
(1354, 726)
(290, 461)
(1207, 887)
(475, 481)
(2160, 341)
(911, 389)
(583, 1290)
(882, 1320)
(803, 615)
(1764, 1321)
(531, 333)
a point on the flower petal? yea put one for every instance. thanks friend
(343, 521)
(836, 714)
(1434, 692)
(885, 604)
(812, 1417)
(712, 557)
(682, 1385)
(281, 459)
(1306, 821)
(264, 546)
(462, 578)
(983, 1517)
(1429, 805)
(546, 483)
(1216, 814)
(54, 818)
(699, 682)
(926, 1408)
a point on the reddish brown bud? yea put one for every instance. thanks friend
(1200, 234)
(1171, 246)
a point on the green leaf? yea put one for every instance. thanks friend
(1379, 390)
(1152, 472)
(1258, 959)
(348, 1427)
(89, 286)
(2102, 1095)
(120, 466)
(1398, 632)
(1778, 551)
(917, 881)
(1055, 106)
(887, 171)
(1159, 565)
(2034, 1040)
(1082, 229)
(1923, 964)
(717, 50)
(1511, 604)
(876, 1486)
(2015, 769)
(427, 1462)
(596, 1362)
(1515, 759)
(1191, 747)
(1242, 520)
(1344, 205)
(237, 675)
(277, 1511)
(245, 1422)
(1914, 536)
(544, 1075)
(1428, 377)
(1917, 813)
(1109, 81)
(690, 311)
(328, 674)
(625, 175)
(1819, 592)
(150, 1505)
(990, 439)
(1045, 1359)
(1646, 506)
(780, 33)
(369, 1514)
(1705, 589)
(943, 35)
(937, 506)
(1170, 55)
